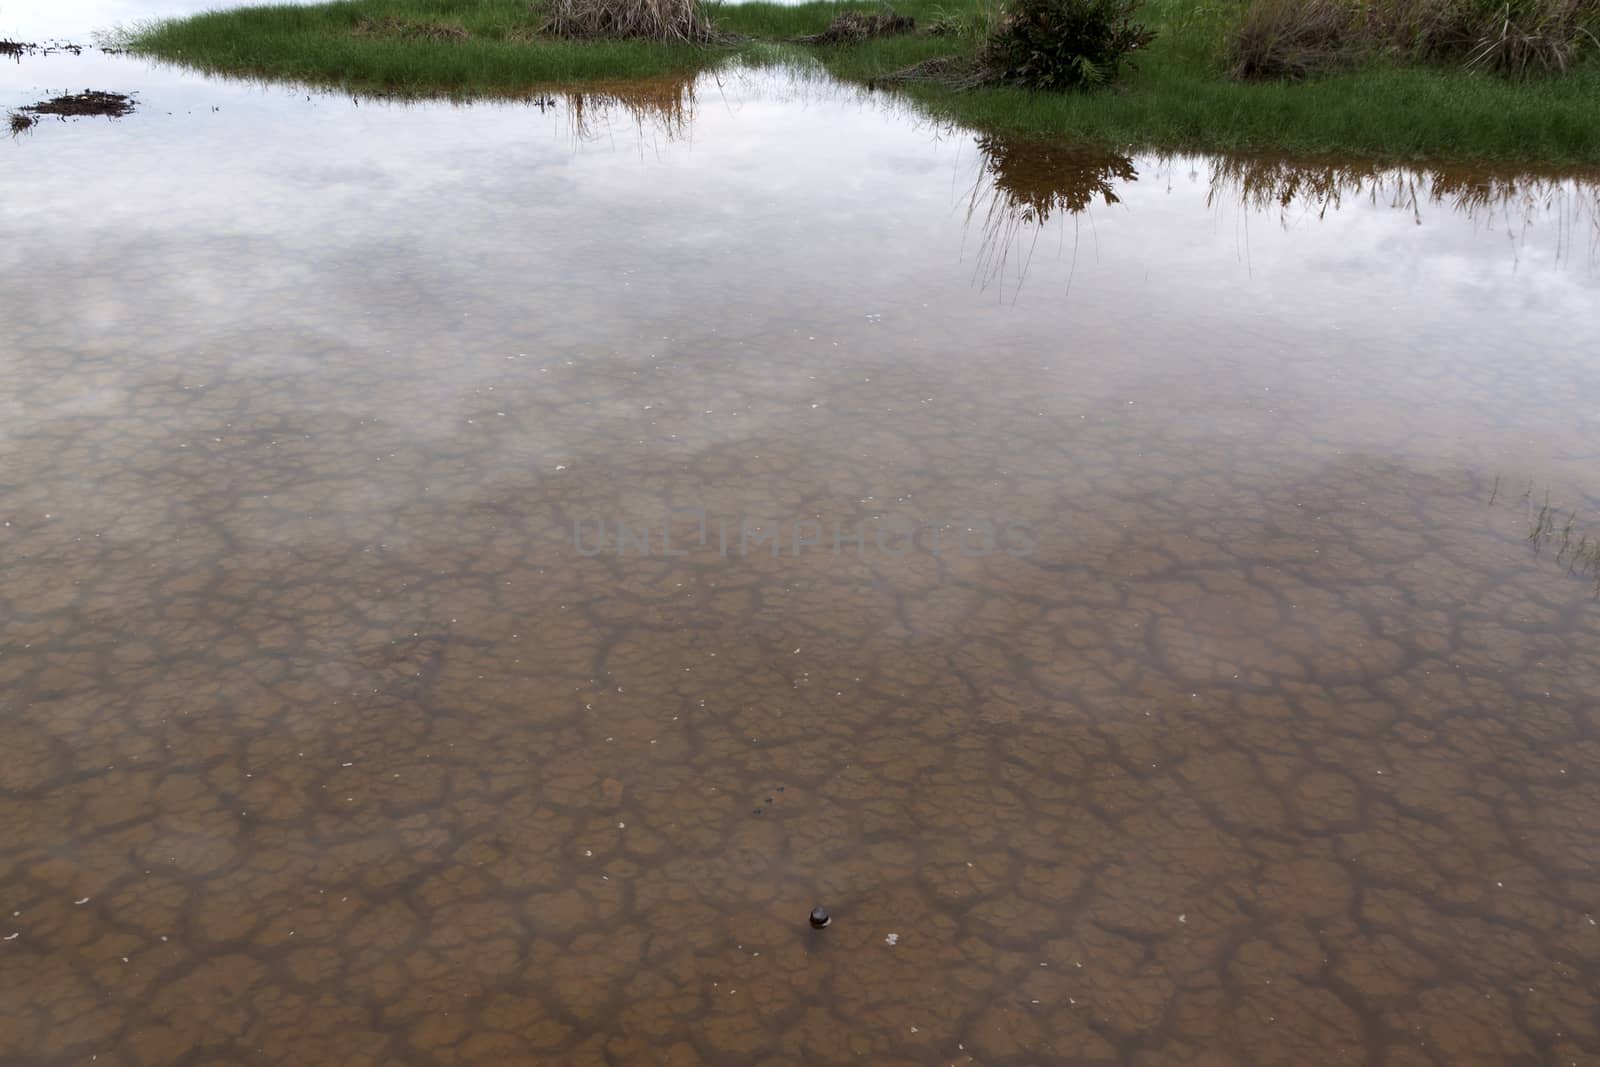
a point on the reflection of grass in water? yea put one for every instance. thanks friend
(1263, 182)
(1025, 182)
(1036, 179)
(1480, 193)
(664, 105)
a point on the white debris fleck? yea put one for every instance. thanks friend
(13, 937)
(891, 939)
(85, 900)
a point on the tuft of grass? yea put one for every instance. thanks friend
(1280, 39)
(853, 27)
(665, 21)
(1520, 38)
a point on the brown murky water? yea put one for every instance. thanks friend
(1259, 733)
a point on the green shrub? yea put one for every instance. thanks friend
(1064, 44)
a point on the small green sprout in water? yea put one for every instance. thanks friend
(1558, 528)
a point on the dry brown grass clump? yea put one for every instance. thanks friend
(1510, 37)
(668, 21)
(1514, 38)
(955, 72)
(1292, 38)
(390, 26)
(1517, 39)
(20, 122)
(852, 27)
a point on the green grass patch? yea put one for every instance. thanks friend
(1179, 97)
(332, 45)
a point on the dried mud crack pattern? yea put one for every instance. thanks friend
(322, 743)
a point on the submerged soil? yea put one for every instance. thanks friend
(325, 739)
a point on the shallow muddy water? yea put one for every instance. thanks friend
(1221, 713)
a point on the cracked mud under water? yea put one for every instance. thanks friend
(322, 740)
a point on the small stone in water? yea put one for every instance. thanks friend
(820, 917)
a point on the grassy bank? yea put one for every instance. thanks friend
(1182, 95)
(365, 46)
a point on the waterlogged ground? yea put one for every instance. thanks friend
(1259, 733)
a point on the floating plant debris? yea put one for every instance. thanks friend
(88, 102)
